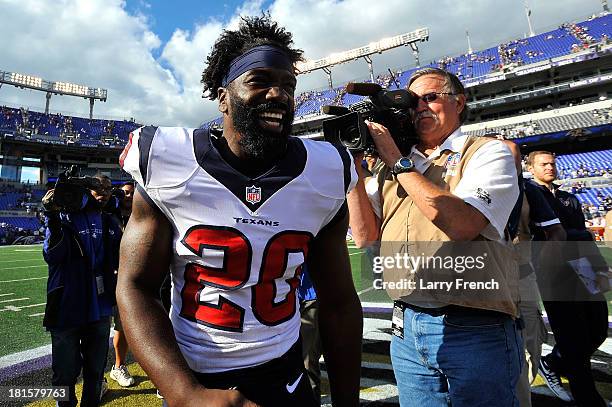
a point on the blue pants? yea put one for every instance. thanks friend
(457, 356)
(84, 347)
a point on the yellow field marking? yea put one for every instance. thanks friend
(375, 358)
(141, 394)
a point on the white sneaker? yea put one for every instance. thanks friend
(122, 376)
(553, 381)
(103, 388)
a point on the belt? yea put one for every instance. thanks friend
(451, 309)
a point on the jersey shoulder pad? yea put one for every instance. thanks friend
(330, 168)
(160, 156)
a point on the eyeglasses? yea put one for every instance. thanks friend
(433, 96)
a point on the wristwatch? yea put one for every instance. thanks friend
(404, 164)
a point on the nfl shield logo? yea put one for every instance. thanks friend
(453, 160)
(253, 194)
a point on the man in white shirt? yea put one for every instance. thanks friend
(450, 187)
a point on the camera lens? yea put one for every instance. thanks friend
(350, 137)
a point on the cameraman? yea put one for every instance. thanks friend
(448, 187)
(81, 248)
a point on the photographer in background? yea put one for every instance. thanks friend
(81, 248)
(119, 372)
(448, 187)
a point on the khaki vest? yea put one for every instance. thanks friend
(608, 230)
(522, 242)
(406, 230)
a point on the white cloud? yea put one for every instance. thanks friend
(98, 43)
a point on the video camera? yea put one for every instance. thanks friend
(387, 107)
(70, 189)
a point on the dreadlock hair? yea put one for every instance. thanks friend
(252, 32)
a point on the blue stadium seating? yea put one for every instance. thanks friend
(89, 131)
(589, 195)
(25, 223)
(592, 163)
(530, 50)
(8, 200)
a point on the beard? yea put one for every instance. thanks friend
(257, 142)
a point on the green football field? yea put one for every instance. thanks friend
(23, 279)
(23, 282)
(23, 274)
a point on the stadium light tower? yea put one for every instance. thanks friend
(528, 14)
(53, 88)
(470, 50)
(408, 39)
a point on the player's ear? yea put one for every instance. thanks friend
(222, 96)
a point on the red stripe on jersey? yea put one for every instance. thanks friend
(124, 153)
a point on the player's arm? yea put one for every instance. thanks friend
(340, 316)
(555, 233)
(575, 228)
(365, 225)
(144, 261)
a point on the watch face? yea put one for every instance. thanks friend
(406, 162)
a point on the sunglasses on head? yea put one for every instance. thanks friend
(433, 96)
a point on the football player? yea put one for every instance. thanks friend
(235, 216)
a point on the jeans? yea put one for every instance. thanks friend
(84, 347)
(457, 356)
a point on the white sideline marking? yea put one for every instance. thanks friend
(37, 315)
(17, 309)
(367, 304)
(352, 254)
(27, 267)
(26, 250)
(23, 279)
(367, 290)
(26, 355)
(30, 354)
(15, 299)
(13, 261)
(2, 295)
(14, 246)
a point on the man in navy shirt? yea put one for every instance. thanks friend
(578, 318)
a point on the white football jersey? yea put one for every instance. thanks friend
(239, 242)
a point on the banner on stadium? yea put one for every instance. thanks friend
(17, 214)
(532, 70)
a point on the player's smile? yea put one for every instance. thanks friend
(272, 120)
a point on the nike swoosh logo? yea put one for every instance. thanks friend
(291, 387)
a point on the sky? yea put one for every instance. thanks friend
(149, 54)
